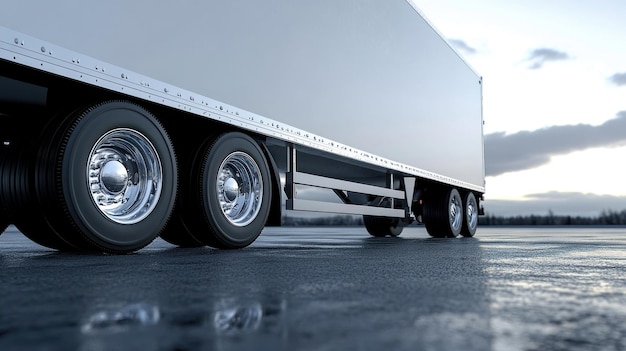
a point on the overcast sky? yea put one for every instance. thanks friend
(554, 99)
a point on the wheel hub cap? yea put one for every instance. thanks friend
(231, 189)
(114, 177)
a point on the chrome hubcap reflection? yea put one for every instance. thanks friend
(239, 188)
(456, 212)
(231, 189)
(114, 177)
(124, 176)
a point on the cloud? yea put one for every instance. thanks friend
(539, 57)
(530, 149)
(618, 79)
(461, 45)
(561, 203)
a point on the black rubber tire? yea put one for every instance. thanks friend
(470, 215)
(4, 154)
(178, 233)
(383, 226)
(61, 178)
(437, 213)
(187, 227)
(3, 223)
(18, 192)
(221, 232)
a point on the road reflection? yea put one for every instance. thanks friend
(141, 325)
(122, 319)
(233, 317)
(332, 291)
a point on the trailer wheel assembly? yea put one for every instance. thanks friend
(443, 213)
(235, 191)
(470, 221)
(108, 181)
(383, 226)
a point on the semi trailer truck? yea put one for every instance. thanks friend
(204, 121)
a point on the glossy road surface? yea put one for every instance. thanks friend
(324, 289)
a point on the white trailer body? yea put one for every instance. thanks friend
(363, 98)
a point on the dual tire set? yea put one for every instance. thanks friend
(445, 212)
(106, 178)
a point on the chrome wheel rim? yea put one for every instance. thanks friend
(124, 176)
(456, 212)
(239, 188)
(472, 213)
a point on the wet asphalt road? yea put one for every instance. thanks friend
(324, 289)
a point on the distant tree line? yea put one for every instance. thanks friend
(606, 217)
